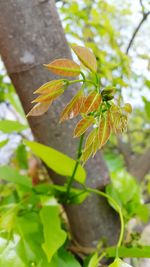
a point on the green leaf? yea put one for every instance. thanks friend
(3, 143)
(119, 263)
(9, 174)
(54, 236)
(57, 161)
(132, 252)
(21, 156)
(64, 259)
(93, 260)
(147, 106)
(9, 126)
(8, 255)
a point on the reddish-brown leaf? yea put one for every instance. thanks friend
(104, 131)
(50, 87)
(39, 109)
(48, 97)
(91, 103)
(83, 125)
(86, 57)
(65, 67)
(73, 107)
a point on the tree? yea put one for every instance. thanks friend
(34, 38)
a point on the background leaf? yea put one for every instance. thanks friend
(9, 174)
(54, 236)
(9, 126)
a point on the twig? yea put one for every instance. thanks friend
(145, 15)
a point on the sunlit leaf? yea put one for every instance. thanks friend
(54, 236)
(91, 102)
(39, 109)
(86, 57)
(129, 252)
(9, 126)
(104, 131)
(90, 138)
(9, 174)
(93, 262)
(65, 67)
(57, 161)
(50, 86)
(48, 97)
(86, 154)
(119, 263)
(83, 125)
(96, 142)
(3, 143)
(73, 107)
(128, 108)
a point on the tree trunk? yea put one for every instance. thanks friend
(30, 35)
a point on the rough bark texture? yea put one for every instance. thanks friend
(30, 35)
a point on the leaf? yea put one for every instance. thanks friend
(48, 97)
(65, 67)
(64, 259)
(57, 161)
(39, 109)
(91, 103)
(9, 174)
(90, 138)
(104, 131)
(96, 143)
(73, 107)
(93, 261)
(86, 154)
(50, 86)
(54, 236)
(83, 125)
(86, 57)
(3, 143)
(7, 219)
(128, 108)
(119, 263)
(9, 126)
(131, 252)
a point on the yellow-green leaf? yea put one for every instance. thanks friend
(54, 236)
(65, 67)
(86, 154)
(83, 125)
(86, 57)
(73, 107)
(96, 143)
(128, 108)
(91, 103)
(90, 138)
(50, 86)
(119, 263)
(104, 131)
(48, 97)
(39, 109)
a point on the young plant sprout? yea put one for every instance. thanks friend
(97, 108)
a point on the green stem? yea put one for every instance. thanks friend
(117, 208)
(71, 179)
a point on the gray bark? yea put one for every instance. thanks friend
(30, 35)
